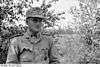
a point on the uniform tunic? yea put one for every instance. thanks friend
(26, 49)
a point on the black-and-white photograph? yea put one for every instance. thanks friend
(49, 32)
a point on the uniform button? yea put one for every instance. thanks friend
(45, 58)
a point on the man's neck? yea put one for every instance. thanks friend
(33, 33)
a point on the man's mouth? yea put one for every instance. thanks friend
(38, 27)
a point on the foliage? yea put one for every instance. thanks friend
(87, 19)
(51, 18)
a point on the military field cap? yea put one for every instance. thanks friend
(35, 12)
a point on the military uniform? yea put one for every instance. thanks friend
(30, 49)
(27, 49)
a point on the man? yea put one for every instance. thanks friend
(32, 47)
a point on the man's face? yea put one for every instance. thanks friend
(35, 23)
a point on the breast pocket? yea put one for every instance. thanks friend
(26, 55)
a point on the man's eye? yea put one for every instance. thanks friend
(35, 20)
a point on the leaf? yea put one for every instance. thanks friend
(63, 18)
(53, 1)
(37, 0)
(32, 1)
(48, 6)
(26, 0)
(60, 13)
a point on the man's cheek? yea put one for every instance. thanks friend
(38, 26)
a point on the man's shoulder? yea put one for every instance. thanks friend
(48, 39)
(15, 40)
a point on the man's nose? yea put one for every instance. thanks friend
(39, 23)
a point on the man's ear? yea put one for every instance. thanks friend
(27, 20)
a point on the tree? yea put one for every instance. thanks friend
(87, 19)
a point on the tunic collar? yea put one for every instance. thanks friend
(29, 34)
(32, 39)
